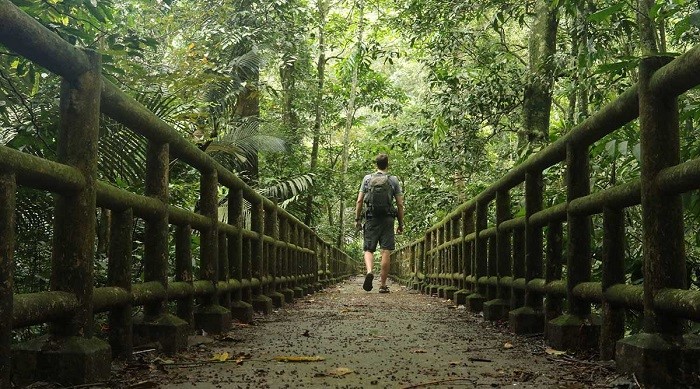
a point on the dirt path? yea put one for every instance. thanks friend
(396, 340)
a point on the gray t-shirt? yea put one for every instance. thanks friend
(393, 182)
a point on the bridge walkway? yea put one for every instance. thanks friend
(398, 340)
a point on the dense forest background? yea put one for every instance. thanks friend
(298, 96)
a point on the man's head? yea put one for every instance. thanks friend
(382, 161)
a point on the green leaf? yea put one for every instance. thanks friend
(637, 152)
(605, 13)
(694, 19)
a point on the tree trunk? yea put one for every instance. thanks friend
(537, 101)
(647, 34)
(349, 118)
(318, 121)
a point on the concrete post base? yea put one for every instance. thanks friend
(526, 320)
(288, 295)
(441, 291)
(298, 292)
(168, 330)
(497, 309)
(460, 297)
(432, 290)
(656, 361)
(309, 289)
(475, 302)
(242, 311)
(214, 319)
(262, 303)
(450, 292)
(574, 333)
(318, 286)
(277, 299)
(68, 361)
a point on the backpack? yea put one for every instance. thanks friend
(379, 199)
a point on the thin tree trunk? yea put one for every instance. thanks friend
(349, 118)
(647, 34)
(318, 121)
(537, 101)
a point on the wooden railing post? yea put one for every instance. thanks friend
(657, 355)
(466, 221)
(297, 262)
(157, 324)
(119, 275)
(261, 303)
(240, 310)
(498, 308)
(553, 270)
(529, 319)
(577, 329)
(8, 187)
(613, 318)
(184, 271)
(73, 244)
(442, 259)
(209, 315)
(475, 301)
(454, 262)
(517, 297)
(286, 261)
(273, 258)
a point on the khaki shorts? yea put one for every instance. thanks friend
(379, 230)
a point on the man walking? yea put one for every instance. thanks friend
(377, 194)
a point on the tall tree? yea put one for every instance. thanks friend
(350, 115)
(322, 8)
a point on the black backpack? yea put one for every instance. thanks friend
(379, 199)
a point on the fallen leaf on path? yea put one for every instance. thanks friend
(221, 357)
(455, 363)
(337, 372)
(508, 345)
(552, 351)
(419, 351)
(143, 385)
(162, 361)
(299, 358)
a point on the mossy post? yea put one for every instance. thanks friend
(309, 276)
(529, 318)
(273, 258)
(475, 301)
(286, 261)
(157, 324)
(119, 275)
(71, 355)
(613, 319)
(184, 272)
(442, 259)
(240, 310)
(553, 269)
(658, 354)
(517, 296)
(498, 308)
(210, 316)
(467, 227)
(8, 188)
(261, 303)
(577, 329)
(453, 268)
(297, 261)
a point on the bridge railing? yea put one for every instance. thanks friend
(505, 268)
(241, 269)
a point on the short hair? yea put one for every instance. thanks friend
(382, 161)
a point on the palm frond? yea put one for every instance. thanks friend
(290, 188)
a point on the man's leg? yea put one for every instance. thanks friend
(369, 261)
(369, 257)
(386, 258)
